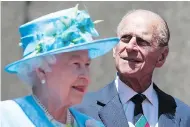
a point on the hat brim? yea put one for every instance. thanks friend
(95, 48)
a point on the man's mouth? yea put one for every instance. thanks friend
(136, 60)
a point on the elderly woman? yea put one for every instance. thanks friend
(58, 49)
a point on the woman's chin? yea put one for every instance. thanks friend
(76, 100)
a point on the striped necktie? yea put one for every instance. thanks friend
(139, 118)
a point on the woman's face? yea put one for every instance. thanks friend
(69, 77)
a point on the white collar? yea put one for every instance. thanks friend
(126, 93)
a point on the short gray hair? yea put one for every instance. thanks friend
(26, 71)
(162, 33)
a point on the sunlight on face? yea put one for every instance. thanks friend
(69, 78)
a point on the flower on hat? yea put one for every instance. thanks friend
(62, 31)
(69, 30)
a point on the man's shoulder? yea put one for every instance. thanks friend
(91, 97)
(89, 105)
(169, 98)
(182, 108)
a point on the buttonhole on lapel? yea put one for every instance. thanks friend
(179, 122)
(170, 116)
(100, 103)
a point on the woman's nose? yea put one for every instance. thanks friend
(84, 72)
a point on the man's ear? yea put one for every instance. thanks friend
(114, 52)
(162, 58)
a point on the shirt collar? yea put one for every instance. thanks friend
(149, 93)
(126, 93)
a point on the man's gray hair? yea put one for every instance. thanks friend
(26, 71)
(162, 33)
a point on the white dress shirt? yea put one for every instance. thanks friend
(149, 105)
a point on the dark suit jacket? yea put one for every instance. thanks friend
(105, 106)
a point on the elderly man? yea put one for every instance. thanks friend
(133, 99)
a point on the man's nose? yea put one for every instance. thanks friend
(132, 45)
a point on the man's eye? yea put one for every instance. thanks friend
(126, 38)
(142, 42)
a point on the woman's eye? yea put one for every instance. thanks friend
(87, 64)
(77, 64)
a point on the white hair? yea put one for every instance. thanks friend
(26, 71)
(162, 33)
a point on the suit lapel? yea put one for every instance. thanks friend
(167, 109)
(165, 121)
(112, 113)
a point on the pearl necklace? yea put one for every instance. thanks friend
(50, 117)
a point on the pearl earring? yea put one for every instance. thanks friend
(43, 81)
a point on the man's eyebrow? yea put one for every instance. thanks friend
(125, 35)
(130, 34)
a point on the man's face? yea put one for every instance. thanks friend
(137, 53)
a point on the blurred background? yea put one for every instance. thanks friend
(173, 77)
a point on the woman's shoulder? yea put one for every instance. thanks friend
(11, 105)
(7, 106)
(8, 110)
(12, 115)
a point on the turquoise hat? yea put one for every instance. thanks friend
(63, 31)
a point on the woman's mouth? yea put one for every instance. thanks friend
(81, 89)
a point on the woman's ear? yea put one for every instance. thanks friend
(162, 58)
(40, 74)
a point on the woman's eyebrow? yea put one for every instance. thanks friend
(78, 57)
